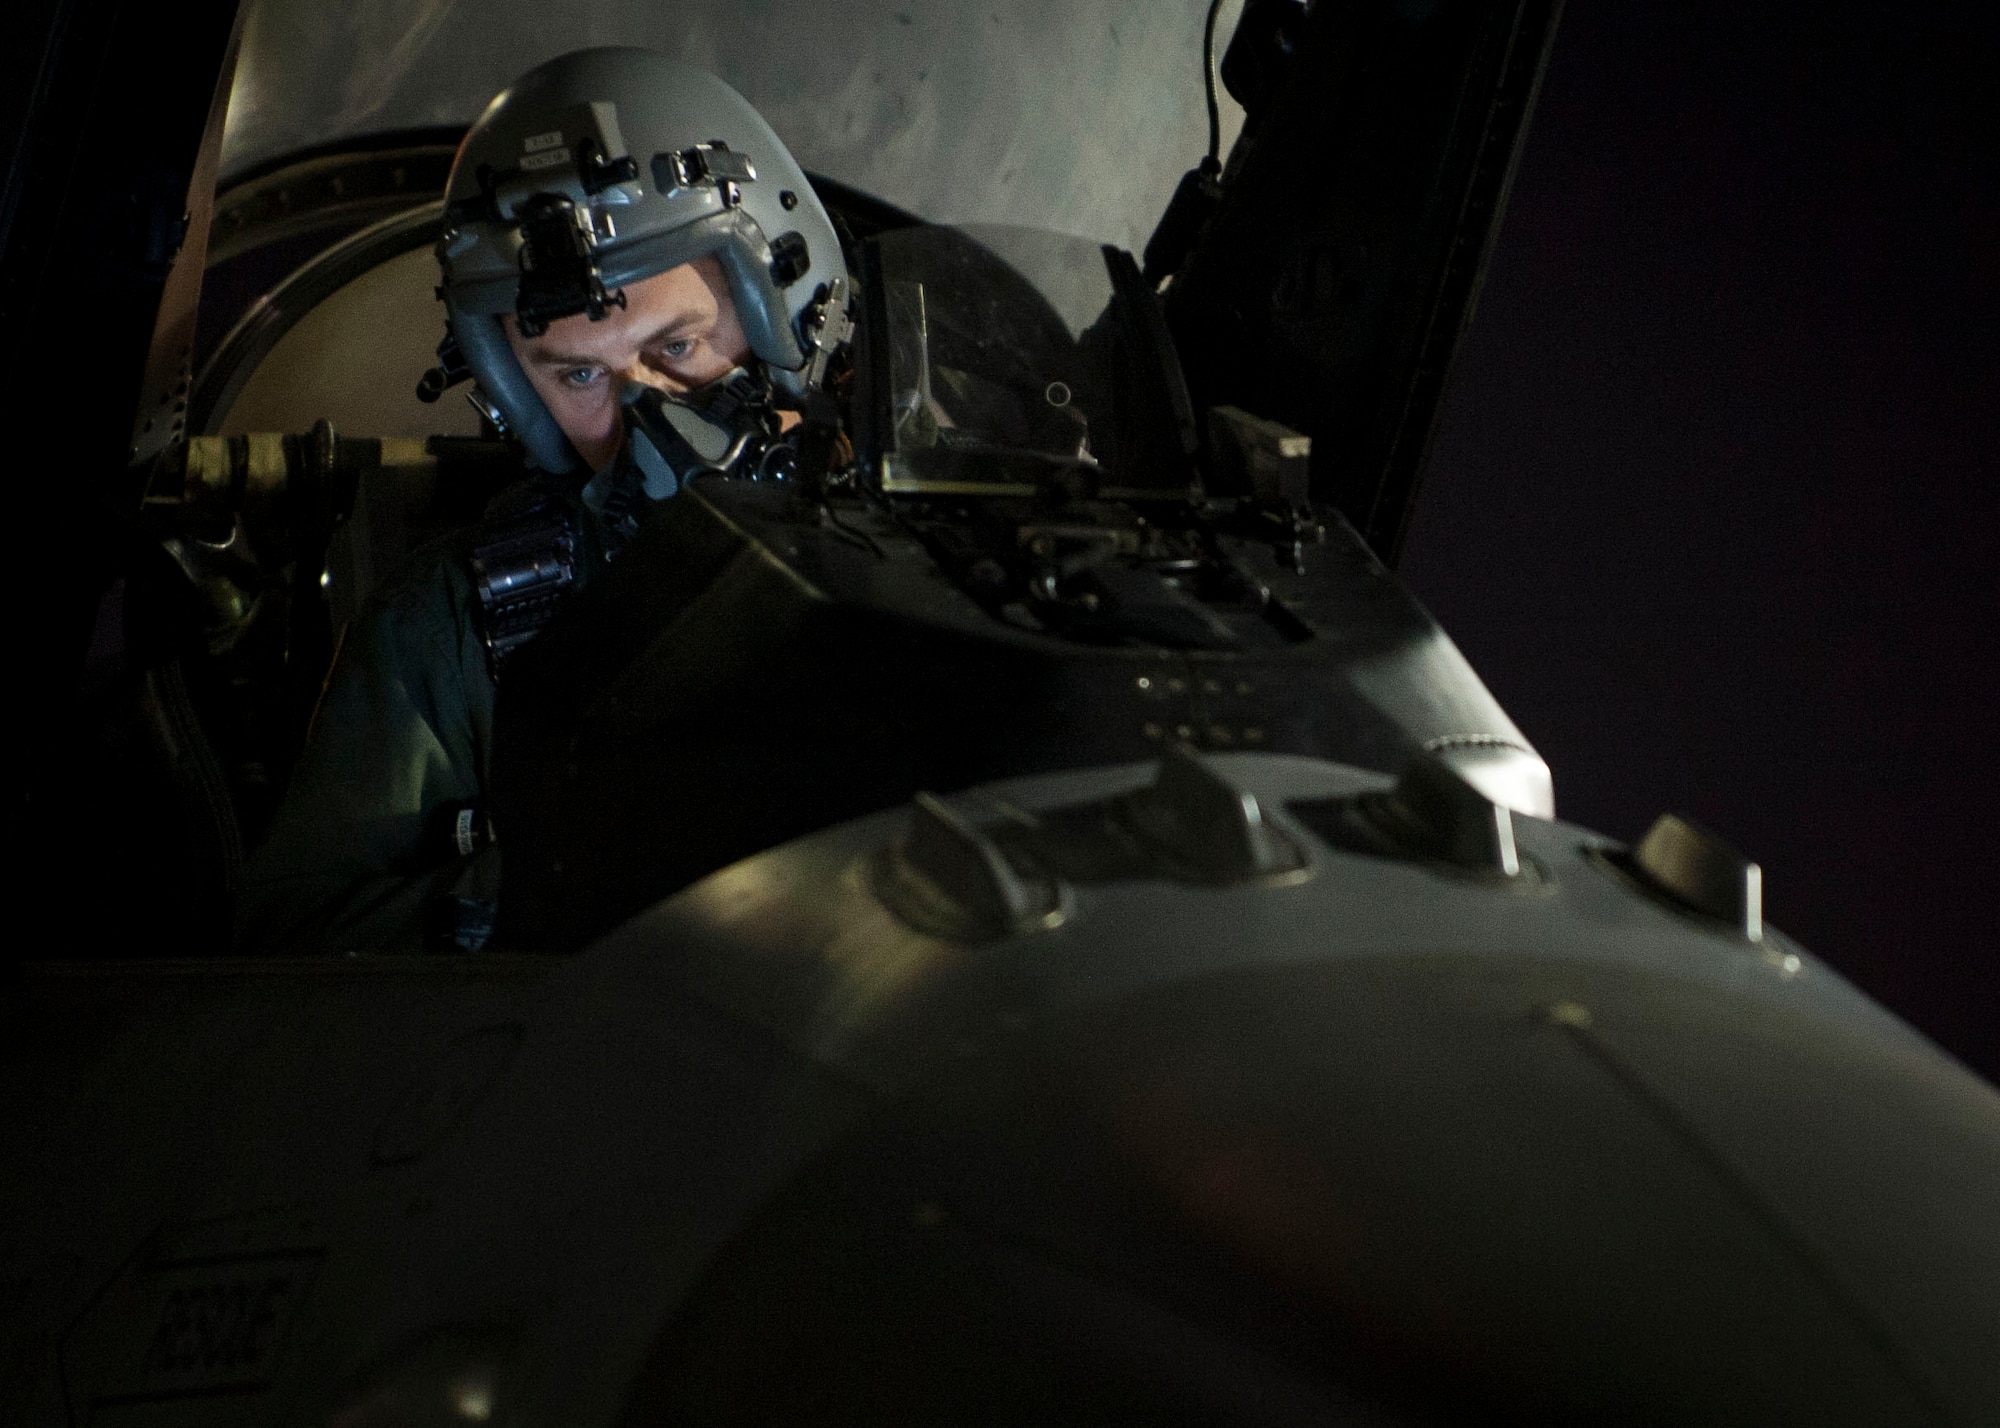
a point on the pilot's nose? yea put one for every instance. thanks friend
(654, 376)
(638, 373)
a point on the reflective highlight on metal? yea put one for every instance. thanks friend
(1512, 776)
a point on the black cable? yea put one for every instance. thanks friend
(853, 535)
(1208, 85)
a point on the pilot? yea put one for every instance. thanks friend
(641, 283)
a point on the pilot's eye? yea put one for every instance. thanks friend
(677, 349)
(580, 376)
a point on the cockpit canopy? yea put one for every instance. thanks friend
(962, 114)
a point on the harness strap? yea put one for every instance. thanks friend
(626, 488)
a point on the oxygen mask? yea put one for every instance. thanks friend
(728, 427)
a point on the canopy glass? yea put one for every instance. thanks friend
(1072, 115)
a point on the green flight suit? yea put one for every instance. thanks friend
(358, 854)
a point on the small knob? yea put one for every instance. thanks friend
(1700, 871)
(948, 849)
(1205, 823)
(1436, 811)
(947, 877)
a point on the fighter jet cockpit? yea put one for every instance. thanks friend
(1011, 401)
(753, 754)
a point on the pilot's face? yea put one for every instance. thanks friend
(677, 330)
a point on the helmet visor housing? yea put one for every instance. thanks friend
(607, 166)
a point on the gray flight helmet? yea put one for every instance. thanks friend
(647, 163)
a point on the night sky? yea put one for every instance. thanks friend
(1714, 505)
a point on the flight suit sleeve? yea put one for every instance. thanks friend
(404, 728)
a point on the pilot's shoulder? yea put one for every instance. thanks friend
(440, 569)
(436, 573)
(425, 606)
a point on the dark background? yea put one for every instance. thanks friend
(1713, 505)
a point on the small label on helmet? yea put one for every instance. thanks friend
(534, 163)
(535, 143)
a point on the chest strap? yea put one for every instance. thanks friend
(524, 568)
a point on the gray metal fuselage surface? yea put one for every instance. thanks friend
(1369, 1138)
